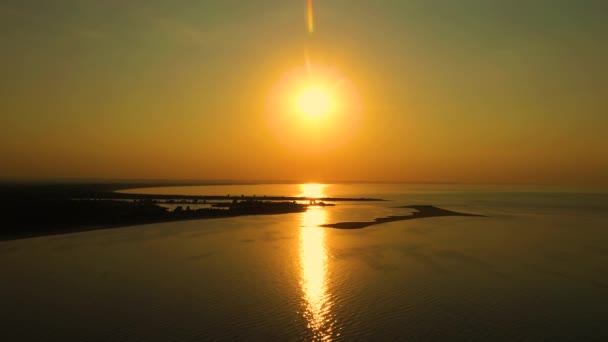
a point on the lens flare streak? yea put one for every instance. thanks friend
(311, 17)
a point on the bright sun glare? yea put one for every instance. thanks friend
(314, 101)
(313, 112)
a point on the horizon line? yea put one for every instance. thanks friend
(211, 182)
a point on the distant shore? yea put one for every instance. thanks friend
(30, 210)
(111, 191)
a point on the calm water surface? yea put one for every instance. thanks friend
(535, 269)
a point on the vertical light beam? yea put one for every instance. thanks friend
(311, 17)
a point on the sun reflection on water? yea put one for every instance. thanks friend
(313, 264)
(312, 190)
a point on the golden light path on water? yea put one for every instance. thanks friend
(313, 267)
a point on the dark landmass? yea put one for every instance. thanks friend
(422, 212)
(44, 217)
(28, 210)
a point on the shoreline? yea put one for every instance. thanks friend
(32, 210)
(30, 217)
(37, 211)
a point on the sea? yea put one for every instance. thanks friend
(534, 268)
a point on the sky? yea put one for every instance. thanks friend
(472, 91)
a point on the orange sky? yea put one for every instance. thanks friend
(452, 93)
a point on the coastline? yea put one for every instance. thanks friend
(33, 210)
(41, 210)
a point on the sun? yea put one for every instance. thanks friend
(313, 109)
(314, 101)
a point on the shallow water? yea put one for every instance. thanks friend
(535, 269)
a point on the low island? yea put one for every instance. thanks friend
(422, 211)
